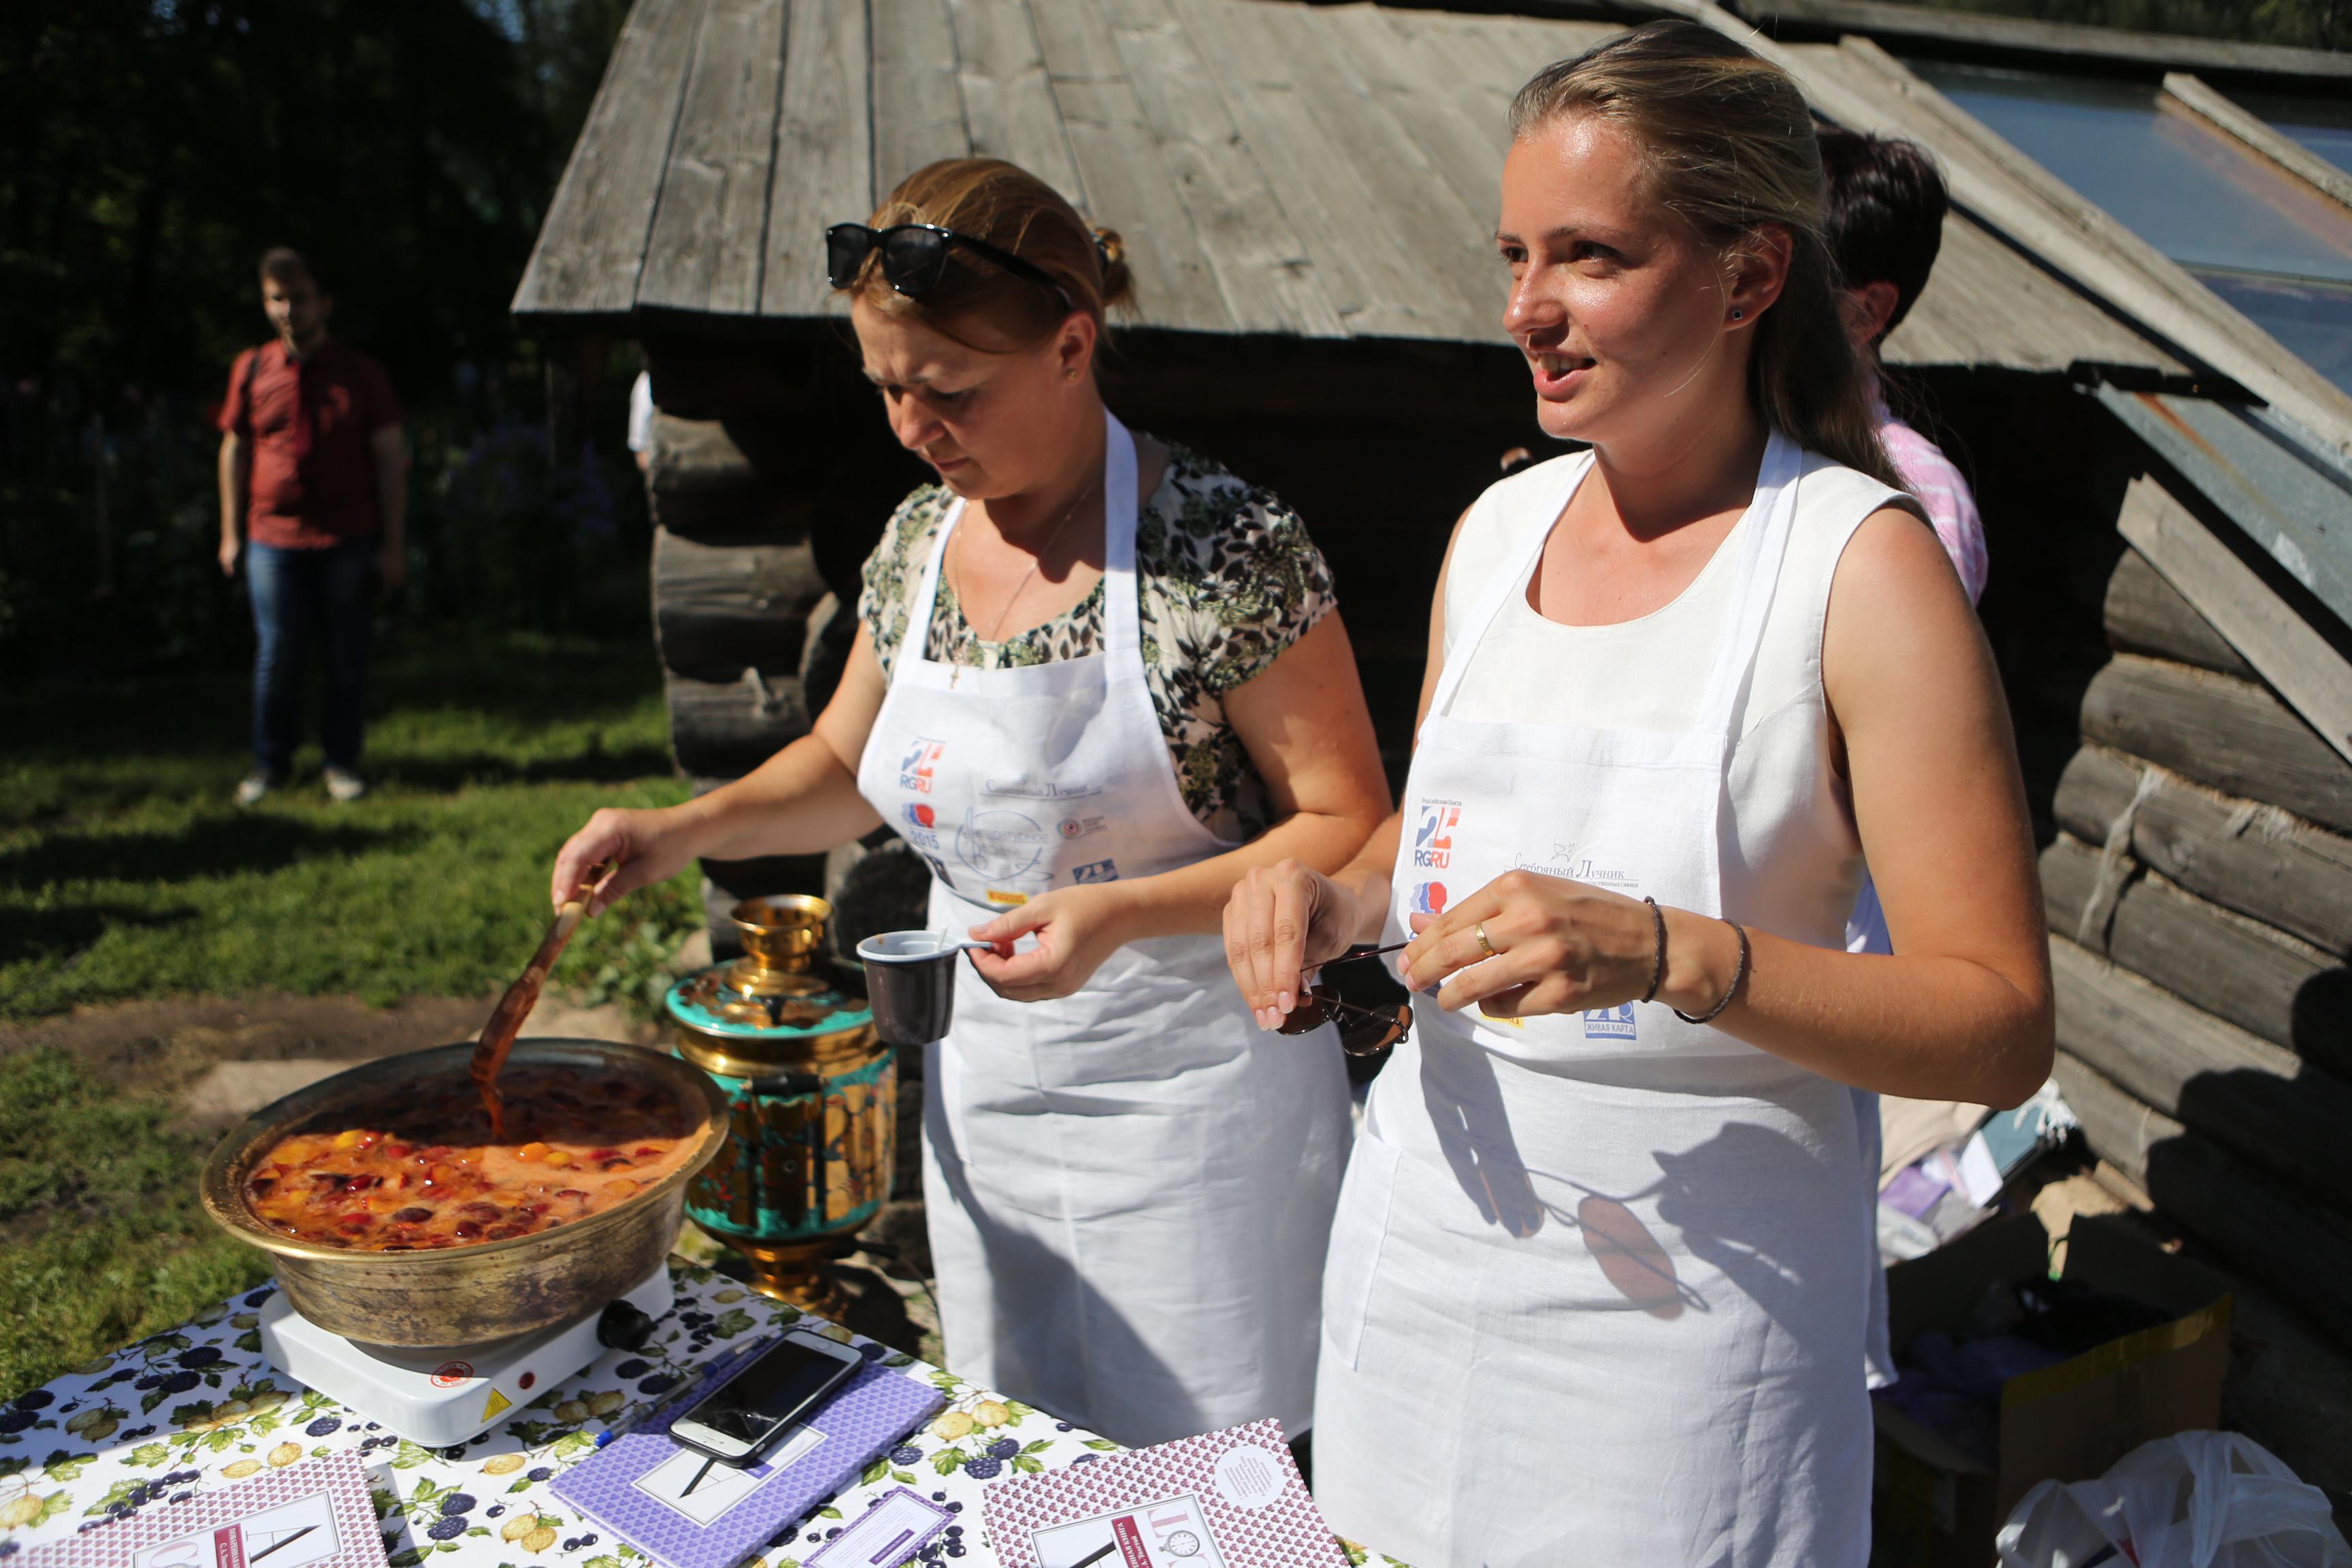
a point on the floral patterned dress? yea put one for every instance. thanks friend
(1226, 579)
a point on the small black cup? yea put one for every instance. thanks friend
(910, 984)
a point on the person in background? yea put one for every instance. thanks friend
(641, 420)
(1883, 219)
(312, 465)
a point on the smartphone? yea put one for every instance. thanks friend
(742, 1417)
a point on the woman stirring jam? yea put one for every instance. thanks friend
(1096, 678)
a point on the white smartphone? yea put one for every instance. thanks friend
(743, 1416)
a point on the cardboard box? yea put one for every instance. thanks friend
(1937, 1507)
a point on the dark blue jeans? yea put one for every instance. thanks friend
(302, 598)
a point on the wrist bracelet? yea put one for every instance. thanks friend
(1658, 966)
(1729, 991)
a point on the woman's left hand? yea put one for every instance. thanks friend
(1558, 947)
(1076, 928)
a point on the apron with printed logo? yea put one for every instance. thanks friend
(1129, 1188)
(1596, 1291)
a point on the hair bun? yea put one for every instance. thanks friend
(1111, 251)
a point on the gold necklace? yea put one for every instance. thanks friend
(1005, 614)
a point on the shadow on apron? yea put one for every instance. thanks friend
(1069, 1328)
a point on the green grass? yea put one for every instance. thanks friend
(125, 872)
(101, 1238)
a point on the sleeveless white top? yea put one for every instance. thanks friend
(1476, 1302)
(1792, 861)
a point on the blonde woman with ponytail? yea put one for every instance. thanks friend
(1096, 678)
(1600, 1279)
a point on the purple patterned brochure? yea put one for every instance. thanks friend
(314, 1514)
(643, 1487)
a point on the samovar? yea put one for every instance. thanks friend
(813, 1098)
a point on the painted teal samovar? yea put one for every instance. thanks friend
(812, 1098)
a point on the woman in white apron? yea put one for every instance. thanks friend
(1599, 1277)
(1128, 1186)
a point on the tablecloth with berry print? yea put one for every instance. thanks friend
(198, 1409)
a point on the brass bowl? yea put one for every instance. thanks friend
(491, 1290)
(782, 927)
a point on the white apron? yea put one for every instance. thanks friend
(1128, 1189)
(1597, 1288)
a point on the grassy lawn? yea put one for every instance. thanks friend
(101, 1238)
(126, 872)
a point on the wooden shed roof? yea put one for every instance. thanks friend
(1307, 170)
(2029, 41)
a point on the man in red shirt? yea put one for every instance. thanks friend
(312, 462)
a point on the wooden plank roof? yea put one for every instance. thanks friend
(1321, 171)
(2048, 43)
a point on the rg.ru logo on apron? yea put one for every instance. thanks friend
(915, 769)
(1432, 835)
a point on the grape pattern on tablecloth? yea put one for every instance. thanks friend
(198, 1409)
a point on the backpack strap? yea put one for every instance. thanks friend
(245, 384)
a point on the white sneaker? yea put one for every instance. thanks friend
(255, 786)
(345, 787)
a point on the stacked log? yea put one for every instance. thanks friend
(769, 479)
(2199, 895)
(735, 588)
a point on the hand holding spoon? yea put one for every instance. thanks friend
(507, 1018)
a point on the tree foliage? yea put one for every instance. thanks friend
(149, 150)
(155, 147)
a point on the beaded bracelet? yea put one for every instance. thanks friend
(1658, 966)
(1730, 991)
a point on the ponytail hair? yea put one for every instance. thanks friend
(1727, 144)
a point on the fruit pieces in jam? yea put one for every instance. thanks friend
(430, 1175)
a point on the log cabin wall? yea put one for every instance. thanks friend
(771, 477)
(2198, 875)
(2048, 472)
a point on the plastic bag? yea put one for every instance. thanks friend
(2201, 1500)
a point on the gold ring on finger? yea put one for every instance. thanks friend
(1484, 946)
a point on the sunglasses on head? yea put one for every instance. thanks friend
(914, 257)
(1363, 1031)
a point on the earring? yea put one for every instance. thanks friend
(1071, 376)
(1737, 314)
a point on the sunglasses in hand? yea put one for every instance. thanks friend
(1363, 1031)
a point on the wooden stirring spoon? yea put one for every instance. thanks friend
(507, 1018)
